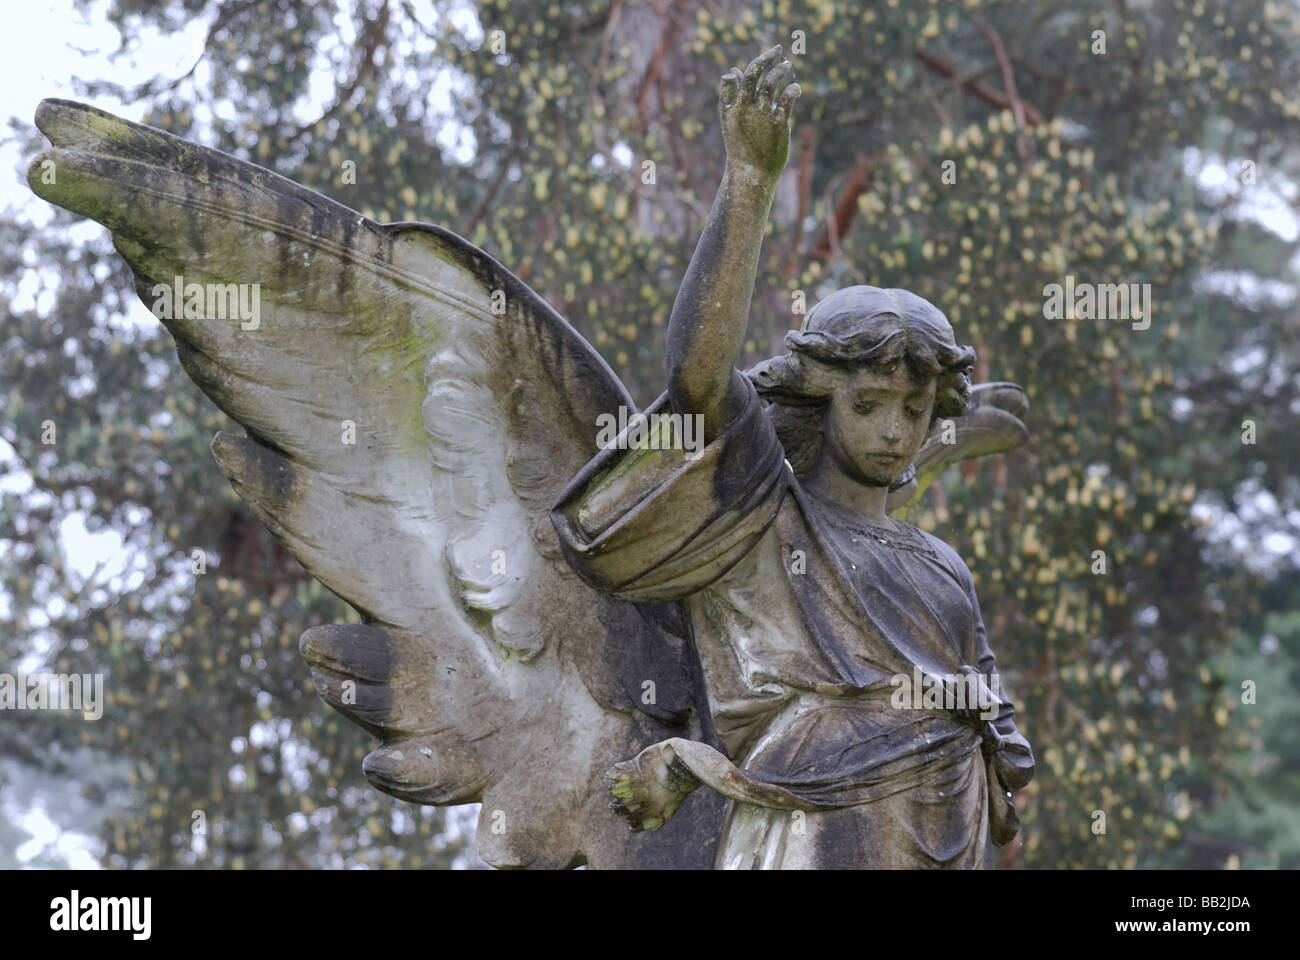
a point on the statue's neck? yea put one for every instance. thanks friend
(829, 483)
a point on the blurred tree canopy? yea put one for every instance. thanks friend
(972, 152)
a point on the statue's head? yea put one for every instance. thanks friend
(864, 382)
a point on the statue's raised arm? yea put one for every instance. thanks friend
(707, 326)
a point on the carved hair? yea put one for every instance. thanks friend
(852, 328)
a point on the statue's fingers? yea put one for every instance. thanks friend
(757, 67)
(728, 86)
(774, 80)
(786, 103)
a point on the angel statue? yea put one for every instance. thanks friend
(554, 624)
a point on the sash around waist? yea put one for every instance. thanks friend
(843, 751)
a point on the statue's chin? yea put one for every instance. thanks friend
(875, 473)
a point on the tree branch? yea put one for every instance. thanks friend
(994, 98)
(373, 37)
(481, 211)
(839, 221)
(666, 38)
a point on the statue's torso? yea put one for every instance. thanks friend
(784, 710)
(800, 642)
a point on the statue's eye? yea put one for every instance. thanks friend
(914, 413)
(864, 406)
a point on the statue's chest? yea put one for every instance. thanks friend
(906, 589)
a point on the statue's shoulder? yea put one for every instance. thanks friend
(950, 557)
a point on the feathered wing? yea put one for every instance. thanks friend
(412, 410)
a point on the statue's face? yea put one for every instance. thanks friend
(877, 420)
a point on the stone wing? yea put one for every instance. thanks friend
(412, 408)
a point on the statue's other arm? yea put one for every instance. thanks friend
(707, 326)
(1013, 759)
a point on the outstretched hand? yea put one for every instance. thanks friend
(755, 105)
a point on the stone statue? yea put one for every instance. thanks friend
(540, 605)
